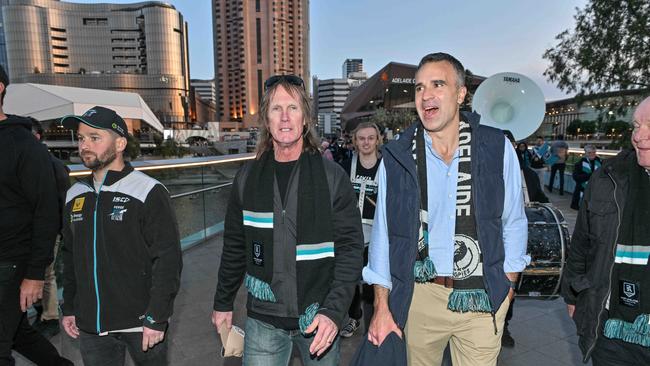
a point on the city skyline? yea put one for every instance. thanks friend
(487, 38)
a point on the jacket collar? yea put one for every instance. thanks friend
(112, 176)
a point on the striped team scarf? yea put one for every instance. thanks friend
(586, 167)
(314, 239)
(629, 305)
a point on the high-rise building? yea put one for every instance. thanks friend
(3, 44)
(205, 89)
(139, 47)
(329, 97)
(254, 39)
(351, 65)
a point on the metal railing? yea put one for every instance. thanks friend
(199, 189)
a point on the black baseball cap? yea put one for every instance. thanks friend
(98, 117)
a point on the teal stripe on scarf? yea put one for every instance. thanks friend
(637, 332)
(259, 289)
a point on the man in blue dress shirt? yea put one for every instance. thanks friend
(450, 232)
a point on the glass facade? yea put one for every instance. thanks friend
(140, 48)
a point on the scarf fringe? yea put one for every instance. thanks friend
(305, 320)
(637, 332)
(259, 289)
(474, 300)
(424, 271)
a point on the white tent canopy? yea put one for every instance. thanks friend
(46, 102)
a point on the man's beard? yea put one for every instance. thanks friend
(102, 161)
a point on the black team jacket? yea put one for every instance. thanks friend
(348, 247)
(29, 212)
(121, 253)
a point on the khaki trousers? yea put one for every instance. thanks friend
(431, 326)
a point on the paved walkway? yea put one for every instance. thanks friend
(543, 332)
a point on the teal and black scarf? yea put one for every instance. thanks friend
(469, 290)
(629, 304)
(315, 245)
(586, 167)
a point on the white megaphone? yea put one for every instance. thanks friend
(510, 101)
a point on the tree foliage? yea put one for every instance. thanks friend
(170, 148)
(394, 119)
(609, 48)
(132, 147)
(578, 127)
(616, 127)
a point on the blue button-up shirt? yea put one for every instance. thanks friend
(441, 184)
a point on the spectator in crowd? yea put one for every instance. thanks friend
(523, 154)
(559, 153)
(362, 170)
(582, 171)
(540, 152)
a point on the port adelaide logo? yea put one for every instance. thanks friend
(467, 257)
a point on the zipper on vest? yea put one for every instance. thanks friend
(611, 269)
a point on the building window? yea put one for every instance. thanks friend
(95, 21)
(259, 89)
(257, 6)
(258, 30)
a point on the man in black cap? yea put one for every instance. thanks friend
(121, 251)
(29, 220)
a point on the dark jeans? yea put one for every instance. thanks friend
(614, 352)
(266, 345)
(554, 169)
(109, 350)
(15, 331)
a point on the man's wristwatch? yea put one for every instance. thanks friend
(513, 285)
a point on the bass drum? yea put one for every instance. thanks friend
(548, 240)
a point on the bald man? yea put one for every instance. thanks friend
(606, 284)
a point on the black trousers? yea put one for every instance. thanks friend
(110, 350)
(15, 331)
(554, 169)
(363, 300)
(575, 198)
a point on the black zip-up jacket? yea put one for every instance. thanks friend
(586, 281)
(121, 253)
(29, 211)
(348, 247)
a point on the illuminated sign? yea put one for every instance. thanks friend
(403, 81)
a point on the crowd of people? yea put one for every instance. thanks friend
(421, 240)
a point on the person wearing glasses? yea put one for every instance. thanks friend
(293, 235)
